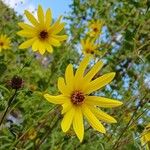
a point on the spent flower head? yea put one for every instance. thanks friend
(16, 82)
(77, 102)
(42, 34)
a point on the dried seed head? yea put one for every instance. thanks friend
(16, 82)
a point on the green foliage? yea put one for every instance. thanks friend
(126, 38)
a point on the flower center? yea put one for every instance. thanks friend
(77, 98)
(43, 35)
(95, 30)
(1, 43)
(89, 51)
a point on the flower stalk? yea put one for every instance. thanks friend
(12, 98)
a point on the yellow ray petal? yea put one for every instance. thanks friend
(35, 45)
(94, 122)
(31, 18)
(58, 28)
(80, 73)
(78, 123)
(99, 82)
(69, 77)
(60, 37)
(48, 17)
(25, 33)
(93, 71)
(102, 101)
(67, 120)
(55, 25)
(49, 48)
(27, 43)
(66, 107)
(26, 26)
(102, 115)
(40, 14)
(60, 99)
(42, 47)
(62, 87)
(54, 42)
(81, 69)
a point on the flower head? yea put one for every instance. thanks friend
(42, 34)
(77, 102)
(95, 28)
(4, 42)
(145, 137)
(89, 46)
(16, 82)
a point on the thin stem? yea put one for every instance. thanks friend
(27, 62)
(45, 114)
(128, 124)
(48, 133)
(8, 106)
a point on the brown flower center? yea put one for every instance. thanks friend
(89, 51)
(77, 98)
(95, 30)
(43, 35)
(1, 43)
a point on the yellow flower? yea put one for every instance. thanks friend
(145, 137)
(95, 28)
(4, 42)
(32, 134)
(89, 46)
(77, 102)
(41, 34)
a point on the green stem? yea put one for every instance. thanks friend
(8, 106)
(128, 124)
(48, 133)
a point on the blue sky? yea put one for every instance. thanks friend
(58, 7)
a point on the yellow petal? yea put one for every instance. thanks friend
(26, 26)
(93, 71)
(94, 122)
(60, 99)
(69, 77)
(25, 33)
(80, 73)
(41, 47)
(31, 18)
(27, 43)
(67, 120)
(55, 25)
(102, 115)
(60, 37)
(35, 45)
(62, 86)
(48, 17)
(99, 82)
(54, 42)
(40, 14)
(66, 107)
(81, 69)
(102, 101)
(78, 123)
(58, 28)
(49, 48)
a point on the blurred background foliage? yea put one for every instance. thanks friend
(32, 122)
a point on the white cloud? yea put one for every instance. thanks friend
(20, 5)
(13, 3)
